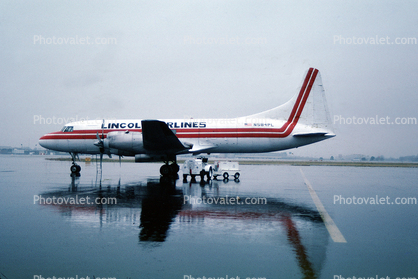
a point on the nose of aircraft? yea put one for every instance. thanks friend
(45, 142)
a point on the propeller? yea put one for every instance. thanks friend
(100, 144)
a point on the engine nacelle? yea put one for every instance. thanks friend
(130, 142)
(140, 158)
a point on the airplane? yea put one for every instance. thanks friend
(302, 120)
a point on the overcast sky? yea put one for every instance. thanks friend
(169, 59)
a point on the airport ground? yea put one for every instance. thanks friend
(277, 162)
(268, 224)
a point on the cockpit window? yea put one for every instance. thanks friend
(67, 129)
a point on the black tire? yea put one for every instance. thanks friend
(174, 168)
(202, 175)
(165, 170)
(236, 175)
(226, 175)
(209, 174)
(75, 169)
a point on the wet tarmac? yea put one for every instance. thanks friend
(133, 224)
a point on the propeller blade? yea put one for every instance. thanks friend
(103, 128)
(100, 143)
(98, 137)
(101, 160)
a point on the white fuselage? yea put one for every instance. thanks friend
(218, 135)
(302, 120)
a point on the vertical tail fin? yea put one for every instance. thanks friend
(308, 107)
(316, 114)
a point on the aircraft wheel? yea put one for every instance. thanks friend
(226, 175)
(75, 169)
(202, 175)
(174, 168)
(236, 175)
(165, 170)
(209, 174)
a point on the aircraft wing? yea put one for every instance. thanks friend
(158, 138)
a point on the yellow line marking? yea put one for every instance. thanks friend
(332, 228)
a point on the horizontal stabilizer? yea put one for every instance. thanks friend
(197, 149)
(306, 135)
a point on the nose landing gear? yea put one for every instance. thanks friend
(75, 169)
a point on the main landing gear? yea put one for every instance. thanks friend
(75, 169)
(170, 169)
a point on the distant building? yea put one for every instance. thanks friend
(6, 150)
(17, 151)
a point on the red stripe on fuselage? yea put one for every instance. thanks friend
(281, 132)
